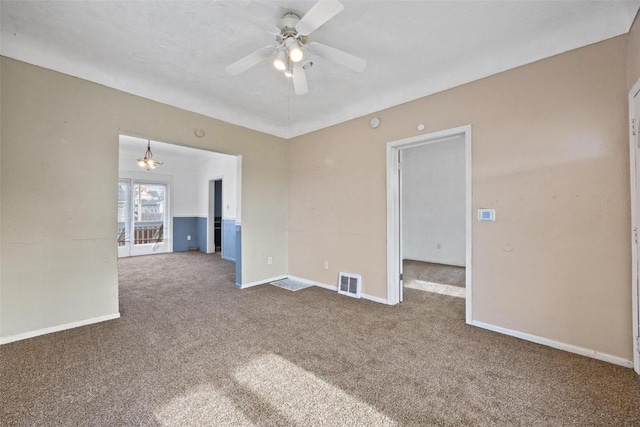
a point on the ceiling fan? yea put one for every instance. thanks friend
(293, 47)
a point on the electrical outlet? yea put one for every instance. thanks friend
(188, 236)
(326, 265)
(270, 260)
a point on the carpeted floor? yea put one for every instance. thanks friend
(432, 272)
(191, 349)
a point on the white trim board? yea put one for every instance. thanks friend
(312, 283)
(433, 261)
(374, 299)
(261, 282)
(556, 344)
(52, 329)
(335, 288)
(634, 171)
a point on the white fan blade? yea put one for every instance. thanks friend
(258, 21)
(250, 60)
(338, 56)
(299, 80)
(320, 13)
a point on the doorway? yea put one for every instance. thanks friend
(143, 217)
(432, 208)
(214, 217)
(634, 151)
(192, 213)
(396, 150)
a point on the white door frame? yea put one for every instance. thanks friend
(635, 170)
(394, 261)
(125, 250)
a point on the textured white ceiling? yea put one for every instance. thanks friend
(176, 52)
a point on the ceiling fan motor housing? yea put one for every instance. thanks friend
(289, 22)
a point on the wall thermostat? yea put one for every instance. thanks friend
(486, 214)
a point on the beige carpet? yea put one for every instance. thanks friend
(191, 349)
(432, 272)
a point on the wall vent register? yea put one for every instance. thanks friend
(350, 284)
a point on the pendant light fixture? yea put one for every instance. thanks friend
(148, 161)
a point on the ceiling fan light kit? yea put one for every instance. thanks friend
(294, 48)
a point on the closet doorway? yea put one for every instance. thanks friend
(443, 239)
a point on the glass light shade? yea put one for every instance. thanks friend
(281, 61)
(295, 53)
(293, 49)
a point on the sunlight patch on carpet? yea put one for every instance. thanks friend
(203, 406)
(303, 398)
(438, 288)
(290, 284)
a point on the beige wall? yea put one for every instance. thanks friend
(634, 51)
(59, 168)
(549, 154)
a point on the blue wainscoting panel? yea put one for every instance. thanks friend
(229, 239)
(238, 233)
(184, 226)
(201, 227)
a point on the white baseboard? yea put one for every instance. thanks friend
(44, 331)
(313, 283)
(556, 344)
(434, 261)
(335, 288)
(261, 282)
(375, 299)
